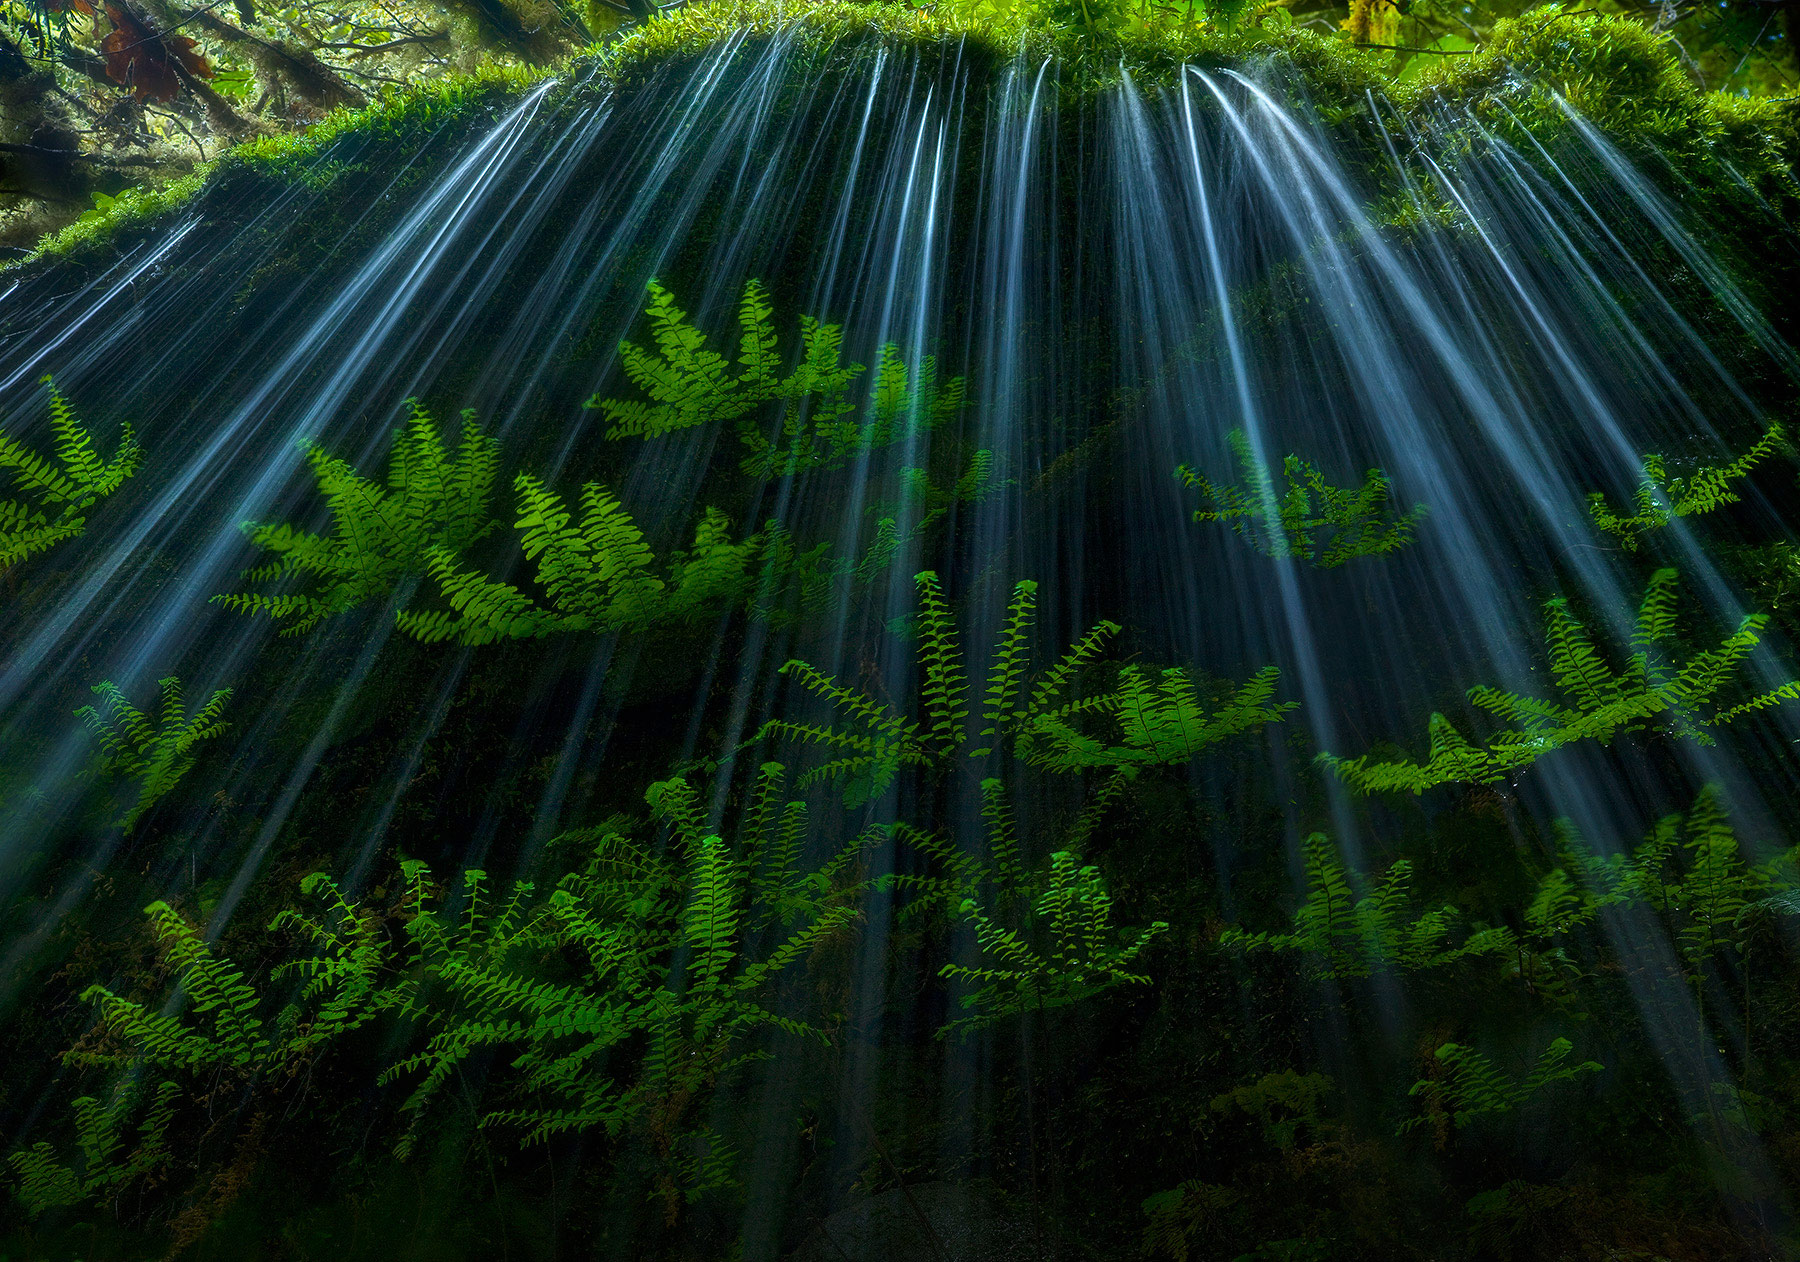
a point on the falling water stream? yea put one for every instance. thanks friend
(1197, 270)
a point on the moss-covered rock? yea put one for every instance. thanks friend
(1614, 71)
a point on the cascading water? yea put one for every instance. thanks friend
(741, 833)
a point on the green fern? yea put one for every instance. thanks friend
(219, 1034)
(44, 1181)
(1351, 936)
(1312, 521)
(348, 983)
(157, 750)
(1713, 892)
(668, 994)
(1472, 1087)
(224, 1031)
(597, 575)
(593, 571)
(1139, 723)
(1603, 702)
(1160, 722)
(690, 385)
(434, 501)
(1661, 498)
(1072, 953)
(1690, 870)
(793, 580)
(60, 489)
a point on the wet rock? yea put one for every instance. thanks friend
(968, 1224)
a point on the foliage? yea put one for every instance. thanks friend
(61, 489)
(1313, 521)
(623, 997)
(220, 1039)
(1281, 1103)
(1181, 1215)
(224, 1032)
(666, 973)
(347, 982)
(1650, 692)
(434, 501)
(155, 751)
(600, 575)
(1152, 723)
(801, 580)
(1472, 1087)
(1661, 498)
(1690, 870)
(1082, 954)
(1711, 903)
(1163, 721)
(45, 1182)
(689, 385)
(1351, 936)
(596, 572)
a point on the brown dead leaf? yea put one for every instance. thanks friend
(147, 61)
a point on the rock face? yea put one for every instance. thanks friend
(969, 1226)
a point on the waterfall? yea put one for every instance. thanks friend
(951, 535)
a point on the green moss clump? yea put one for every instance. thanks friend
(1613, 70)
(400, 118)
(1091, 60)
(1625, 80)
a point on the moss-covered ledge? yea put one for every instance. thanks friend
(1625, 80)
(1613, 70)
(400, 120)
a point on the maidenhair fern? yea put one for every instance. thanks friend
(59, 489)
(593, 571)
(1312, 520)
(1472, 1087)
(154, 750)
(1691, 870)
(434, 501)
(1602, 701)
(1044, 933)
(1661, 498)
(1140, 722)
(1161, 720)
(689, 385)
(220, 1032)
(677, 946)
(347, 981)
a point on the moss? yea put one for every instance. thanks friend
(1613, 70)
(1091, 62)
(400, 118)
(1625, 80)
(133, 206)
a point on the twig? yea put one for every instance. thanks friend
(370, 50)
(1407, 48)
(931, 1236)
(76, 155)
